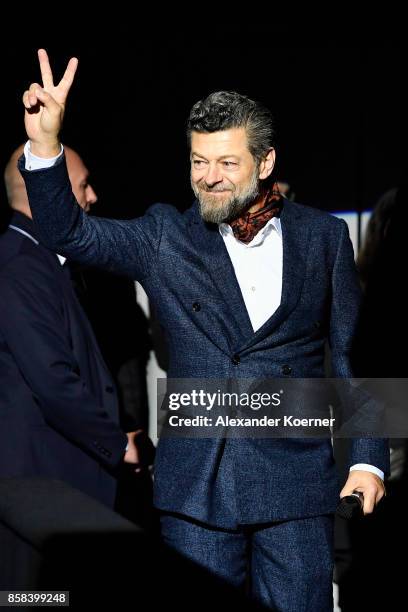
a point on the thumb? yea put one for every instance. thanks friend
(48, 101)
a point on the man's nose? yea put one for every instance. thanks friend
(213, 175)
(91, 197)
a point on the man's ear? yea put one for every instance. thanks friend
(267, 164)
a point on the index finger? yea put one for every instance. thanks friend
(46, 72)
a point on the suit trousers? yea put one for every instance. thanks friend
(286, 566)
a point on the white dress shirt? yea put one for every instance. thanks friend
(258, 267)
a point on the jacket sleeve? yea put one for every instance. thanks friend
(344, 319)
(124, 247)
(32, 326)
(345, 306)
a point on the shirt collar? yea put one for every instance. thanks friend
(26, 225)
(226, 230)
(23, 222)
(62, 259)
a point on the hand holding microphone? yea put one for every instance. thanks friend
(351, 506)
(360, 495)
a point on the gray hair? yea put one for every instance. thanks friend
(223, 110)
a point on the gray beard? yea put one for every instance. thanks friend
(214, 211)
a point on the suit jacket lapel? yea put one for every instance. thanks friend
(210, 245)
(212, 250)
(295, 236)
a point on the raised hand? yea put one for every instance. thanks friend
(45, 107)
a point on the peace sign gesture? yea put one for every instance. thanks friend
(45, 106)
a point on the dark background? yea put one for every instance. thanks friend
(339, 96)
(339, 102)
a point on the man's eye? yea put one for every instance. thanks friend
(229, 164)
(198, 162)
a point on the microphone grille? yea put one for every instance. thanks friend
(349, 507)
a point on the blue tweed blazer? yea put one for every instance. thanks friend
(182, 262)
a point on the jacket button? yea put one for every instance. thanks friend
(286, 370)
(196, 306)
(235, 359)
(109, 389)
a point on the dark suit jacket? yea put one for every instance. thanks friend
(58, 404)
(182, 262)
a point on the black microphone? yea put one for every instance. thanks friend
(351, 506)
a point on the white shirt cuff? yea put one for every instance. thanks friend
(366, 467)
(32, 162)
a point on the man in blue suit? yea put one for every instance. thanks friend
(246, 285)
(58, 404)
